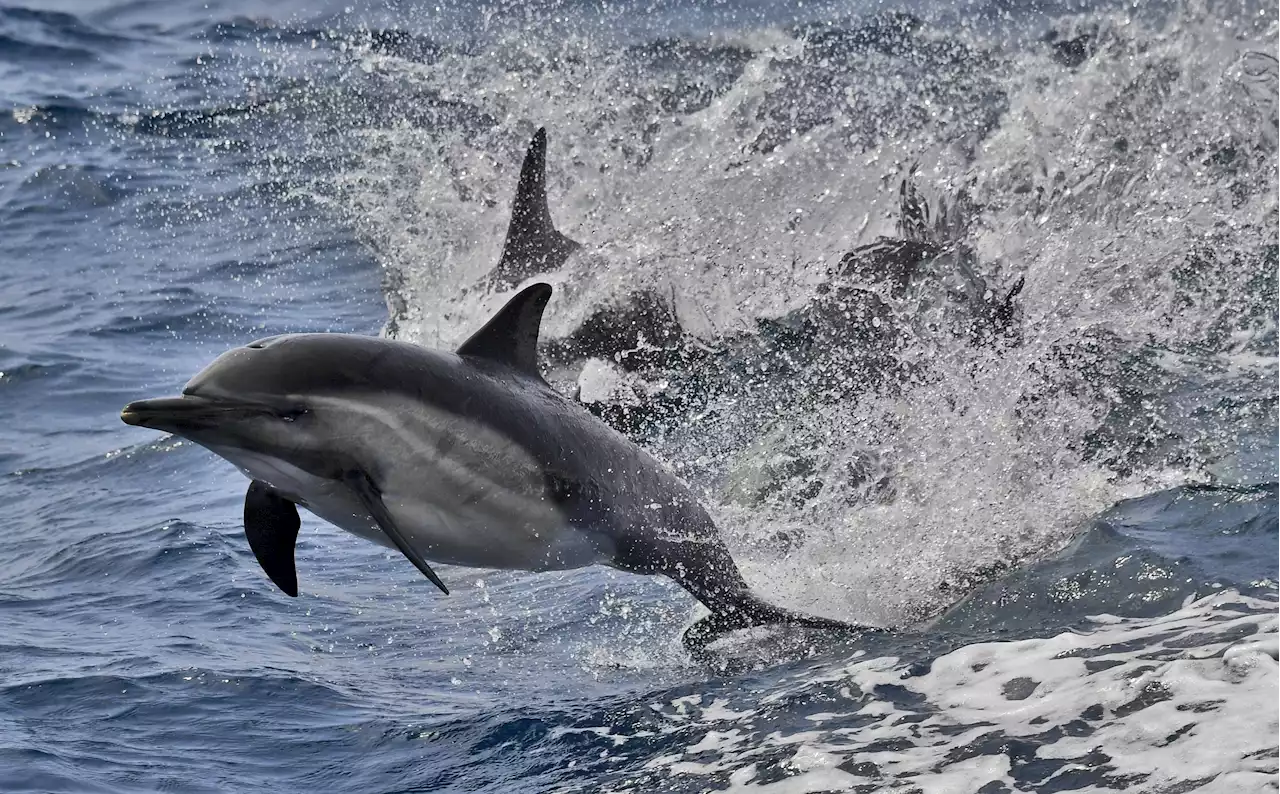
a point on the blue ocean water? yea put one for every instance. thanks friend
(178, 178)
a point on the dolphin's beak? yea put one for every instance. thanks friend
(182, 414)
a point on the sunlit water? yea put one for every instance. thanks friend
(1072, 534)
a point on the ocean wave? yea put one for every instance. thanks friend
(198, 318)
(14, 49)
(41, 38)
(13, 374)
(1049, 714)
(140, 556)
(51, 190)
(182, 122)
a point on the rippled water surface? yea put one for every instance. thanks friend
(961, 318)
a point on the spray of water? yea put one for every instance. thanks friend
(1125, 170)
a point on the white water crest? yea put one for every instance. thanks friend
(1134, 192)
(1183, 702)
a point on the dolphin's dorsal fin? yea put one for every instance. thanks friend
(511, 335)
(533, 245)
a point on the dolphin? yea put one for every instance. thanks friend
(533, 245)
(462, 458)
(628, 323)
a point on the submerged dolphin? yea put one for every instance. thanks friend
(533, 245)
(465, 458)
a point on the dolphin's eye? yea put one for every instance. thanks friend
(293, 414)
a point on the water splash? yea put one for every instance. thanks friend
(1123, 169)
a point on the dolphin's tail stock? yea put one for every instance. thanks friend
(706, 570)
(721, 588)
(747, 611)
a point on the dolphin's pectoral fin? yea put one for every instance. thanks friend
(533, 245)
(511, 336)
(372, 500)
(271, 525)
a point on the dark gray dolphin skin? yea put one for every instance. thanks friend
(465, 458)
(532, 245)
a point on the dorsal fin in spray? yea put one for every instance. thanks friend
(533, 246)
(511, 336)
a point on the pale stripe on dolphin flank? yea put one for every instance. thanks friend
(488, 504)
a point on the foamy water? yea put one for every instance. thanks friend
(1070, 526)
(1180, 702)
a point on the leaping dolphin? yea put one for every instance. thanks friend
(465, 458)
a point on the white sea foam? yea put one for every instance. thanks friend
(1184, 702)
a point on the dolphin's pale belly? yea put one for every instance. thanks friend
(462, 495)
